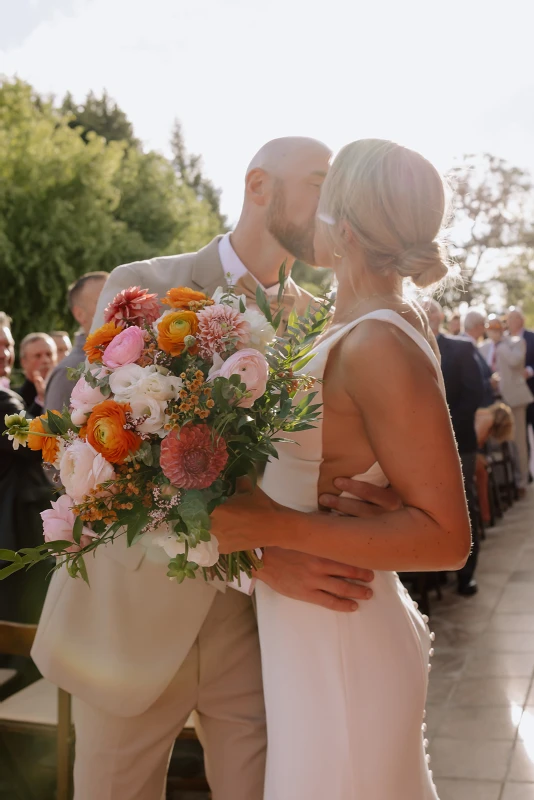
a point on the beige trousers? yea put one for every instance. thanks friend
(126, 758)
(520, 421)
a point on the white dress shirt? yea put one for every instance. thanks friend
(234, 267)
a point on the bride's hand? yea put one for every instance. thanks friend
(245, 521)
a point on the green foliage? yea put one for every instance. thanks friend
(492, 220)
(78, 194)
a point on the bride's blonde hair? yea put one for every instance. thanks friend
(394, 201)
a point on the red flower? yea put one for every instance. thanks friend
(133, 306)
(193, 458)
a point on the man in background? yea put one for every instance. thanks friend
(63, 344)
(38, 357)
(516, 327)
(465, 392)
(82, 298)
(7, 350)
(474, 327)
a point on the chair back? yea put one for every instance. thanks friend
(16, 639)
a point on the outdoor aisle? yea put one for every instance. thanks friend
(481, 701)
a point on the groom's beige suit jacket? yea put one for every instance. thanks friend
(118, 642)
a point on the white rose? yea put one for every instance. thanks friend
(159, 386)
(206, 554)
(81, 469)
(123, 381)
(262, 332)
(144, 406)
(233, 302)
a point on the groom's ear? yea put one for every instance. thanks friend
(257, 184)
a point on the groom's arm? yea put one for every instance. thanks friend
(319, 580)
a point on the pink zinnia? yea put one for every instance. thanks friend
(194, 457)
(133, 306)
(220, 328)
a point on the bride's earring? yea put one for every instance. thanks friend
(336, 254)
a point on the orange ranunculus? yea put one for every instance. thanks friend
(48, 444)
(173, 328)
(182, 296)
(100, 339)
(106, 432)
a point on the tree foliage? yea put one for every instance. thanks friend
(75, 199)
(492, 216)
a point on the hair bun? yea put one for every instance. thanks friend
(425, 264)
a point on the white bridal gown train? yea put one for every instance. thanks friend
(345, 692)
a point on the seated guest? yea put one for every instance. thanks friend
(7, 351)
(464, 389)
(82, 298)
(38, 357)
(493, 424)
(63, 344)
(506, 355)
(474, 329)
(24, 493)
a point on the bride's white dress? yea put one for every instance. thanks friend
(345, 692)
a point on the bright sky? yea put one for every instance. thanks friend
(444, 77)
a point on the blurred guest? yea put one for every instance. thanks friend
(506, 356)
(465, 392)
(38, 356)
(474, 329)
(454, 325)
(516, 327)
(496, 424)
(7, 351)
(24, 493)
(63, 344)
(82, 298)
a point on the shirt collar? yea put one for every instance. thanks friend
(233, 266)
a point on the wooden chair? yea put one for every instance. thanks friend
(39, 707)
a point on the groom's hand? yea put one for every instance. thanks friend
(314, 580)
(366, 501)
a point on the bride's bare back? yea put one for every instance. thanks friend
(347, 450)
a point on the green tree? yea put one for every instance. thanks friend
(517, 280)
(492, 219)
(189, 170)
(72, 201)
(99, 115)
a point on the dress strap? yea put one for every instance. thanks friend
(393, 318)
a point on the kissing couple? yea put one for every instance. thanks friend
(321, 693)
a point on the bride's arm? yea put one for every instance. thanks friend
(406, 419)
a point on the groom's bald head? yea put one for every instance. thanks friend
(280, 156)
(282, 185)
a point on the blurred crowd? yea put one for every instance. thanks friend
(488, 369)
(25, 488)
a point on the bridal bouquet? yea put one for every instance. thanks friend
(168, 412)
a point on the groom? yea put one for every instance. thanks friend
(140, 652)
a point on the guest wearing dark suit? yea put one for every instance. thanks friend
(465, 393)
(474, 326)
(516, 326)
(25, 491)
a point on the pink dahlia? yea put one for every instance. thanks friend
(133, 306)
(194, 457)
(220, 328)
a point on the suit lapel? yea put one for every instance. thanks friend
(208, 271)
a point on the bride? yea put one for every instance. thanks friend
(345, 693)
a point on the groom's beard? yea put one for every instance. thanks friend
(297, 240)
